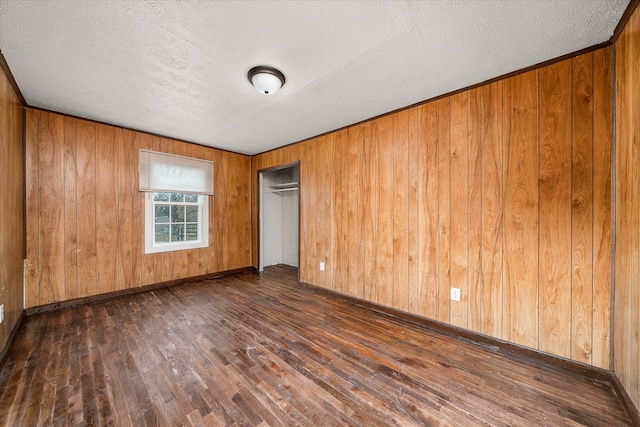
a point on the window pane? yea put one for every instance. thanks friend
(177, 197)
(177, 213)
(160, 197)
(191, 198)
(162, 233)
(192, 232)
(162, 213)
(192, 214)
(177, 232)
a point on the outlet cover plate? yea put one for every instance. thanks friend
(322, 266)
(455, 294)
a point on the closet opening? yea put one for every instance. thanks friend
(279, 216)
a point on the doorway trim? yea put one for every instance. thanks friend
(259, 180)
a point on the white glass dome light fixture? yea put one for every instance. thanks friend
(265, 79)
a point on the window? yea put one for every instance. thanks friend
(176, 221)
(177, 191)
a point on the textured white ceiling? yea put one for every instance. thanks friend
(178, 68)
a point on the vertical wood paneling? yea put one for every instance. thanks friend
(489, 190)
(323, 247)
(126, 172)
(370, 211)
(428, 262)
(492, 210)
(308, 212)
(602, 208)
(32, 273)
(459, 196)
(623, 197)
(626, 321)
(401, 211)
(444, 210)
(12, 203)
(238, 234)
(137, 235)
(337, 225)
(384, 210)
(354, 266)
(70, 210)
(360, 212)
(50, 193)
(475, 211)
(86, 187)
(521, 209)
(344, 214)
(147, 261)
(220, 225)
(86, 215)
(555, 208)
(582, 208)
(413, 154)
(634, 295)
(106, 209)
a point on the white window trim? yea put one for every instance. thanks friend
(203, 230)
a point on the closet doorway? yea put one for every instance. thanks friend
(279, 216)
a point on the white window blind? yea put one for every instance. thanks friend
(161, 172)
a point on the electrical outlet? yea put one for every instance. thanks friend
(455, 294)
(1, 313)
(322, 266)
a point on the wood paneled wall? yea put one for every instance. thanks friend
(503, 191)
(85, 215)
(626, 317)
(12, 208)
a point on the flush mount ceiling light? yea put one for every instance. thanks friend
(265, 79)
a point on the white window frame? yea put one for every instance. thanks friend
(151, 247)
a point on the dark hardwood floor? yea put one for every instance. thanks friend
(258, 350)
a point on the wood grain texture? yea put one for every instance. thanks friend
(12, 203)
(308, 212)
(602, 217)
(339, 187)
(474, 271)
(555, 208)
(146, 261)
(401, 211)
(370, 212)
(459, 215)
(51, 218)
(86, 215)
(490, 191)
(384, 208)
(492, 211)
(444, 210)
(413, 226)
(106, 209)
(428, 210)
(86, 188)
(324, 211)
(626, 317)
(70, 209)
(521, 209)
(258, 350)
(32, 264)
(582, 208)
(355, 249)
